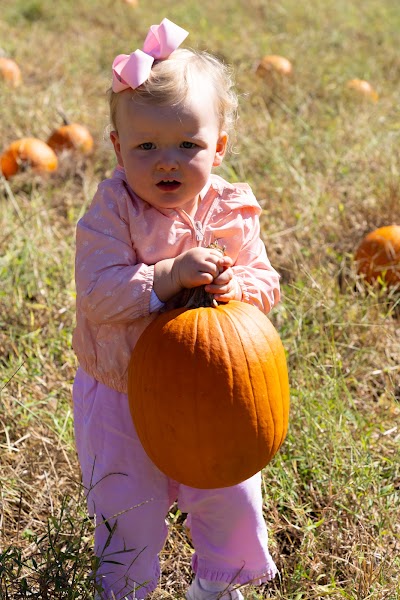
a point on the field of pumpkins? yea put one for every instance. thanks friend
(376, 259)
(318, 140)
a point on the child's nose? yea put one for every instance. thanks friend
(167, 161)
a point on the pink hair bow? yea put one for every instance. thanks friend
(131, 70)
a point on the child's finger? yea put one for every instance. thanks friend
(224, 277)
(222, 259)
(219, 289)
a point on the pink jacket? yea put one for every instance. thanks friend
(120, 239)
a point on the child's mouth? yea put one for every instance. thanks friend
(168, 185)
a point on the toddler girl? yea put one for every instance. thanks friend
(143, 240)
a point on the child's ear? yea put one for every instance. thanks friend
(220, 148)
(117, 147)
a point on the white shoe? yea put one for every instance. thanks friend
(196, 592)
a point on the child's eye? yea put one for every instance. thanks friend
(188, 145)
(147, 146)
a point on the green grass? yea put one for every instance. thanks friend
(324, 165)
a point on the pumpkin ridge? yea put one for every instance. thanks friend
(278, 383)
(222, 317)
(237, 323)
(244, 354)
(283, 385)
(271, 383)
(274, 417)
(276, 421)
(218, 316)
(217, 323)
(234, 323)
(267, 404)
(196, 419)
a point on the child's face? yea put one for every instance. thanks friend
(168, 152)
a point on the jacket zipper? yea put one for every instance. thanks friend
(198, 228)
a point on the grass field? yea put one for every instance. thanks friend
(324, 164)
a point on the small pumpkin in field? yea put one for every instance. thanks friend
(30, 153)
(71, 136)
(363, 88)
(209, 393)
(274, 63)
(378, 255)
(10, 71)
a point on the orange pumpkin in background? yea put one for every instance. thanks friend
(209, 393)
(378, 255)
(363, 88)
(273, 63)
(27, 153)
(71, 136)
(10, 71)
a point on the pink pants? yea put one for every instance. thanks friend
(130, 498)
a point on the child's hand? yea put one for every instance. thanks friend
(200, 266)
(225, 287)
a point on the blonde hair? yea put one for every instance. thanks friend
(171, 80)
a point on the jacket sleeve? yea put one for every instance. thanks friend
(111, 286)
(256, 276)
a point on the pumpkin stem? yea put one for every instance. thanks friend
(198, 297)
(195, 297)
(190, 298)
(63, 115)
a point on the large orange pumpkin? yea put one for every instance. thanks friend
(209, 393)
(30, 152)
(71, 136)
(378, 255)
